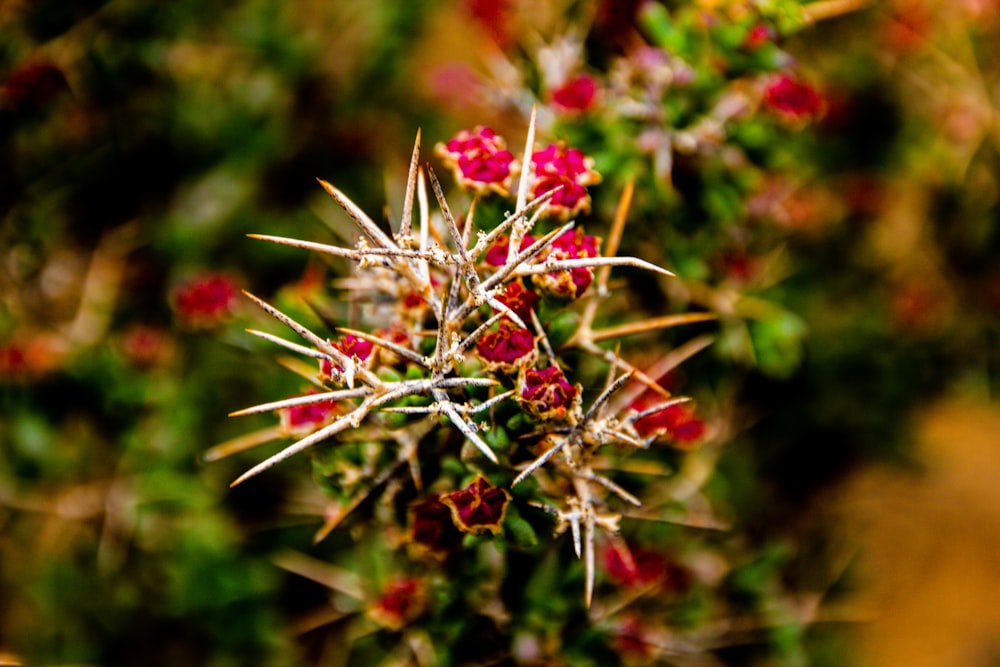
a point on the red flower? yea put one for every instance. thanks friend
(479, 160)
(414, 304)
(507, 348)
(402, 601)
(574, 243)
(432, 531)
(478, 508)
(558, 160)
(205, 301)
(793, 100)
(637, 568)
(301, 420)
(519, 299)
(571, 199)
(633, 567)
(575, 95)
(759, 35)
(546, 394)
(496, 254)
(571, 283)
(354, 347)
(677, 422)
(556, 165)
(413, 300)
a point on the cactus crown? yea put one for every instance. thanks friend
(468, 334)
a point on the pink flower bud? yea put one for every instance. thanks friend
(302, 420)
(558, 166)
(575, 95)
(571, 283)
(546, 394)
(479, 160)
(496, 254)
(519, 299)
(352, 347)
(507, 349)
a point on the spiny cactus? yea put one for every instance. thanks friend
(489, 345)
(468, 377)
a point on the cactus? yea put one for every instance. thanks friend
(469, 403)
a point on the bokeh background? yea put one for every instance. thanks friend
(140, 142)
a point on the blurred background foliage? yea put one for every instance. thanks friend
(140, 141)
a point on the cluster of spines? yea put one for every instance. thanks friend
(448, 275)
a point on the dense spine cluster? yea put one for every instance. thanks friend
(457, 333)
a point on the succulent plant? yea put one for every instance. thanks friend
(478, 341)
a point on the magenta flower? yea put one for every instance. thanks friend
(575, 95)
(571, 283)
(496, 254)
(479, 160)
(793, 100)
(555, 166)
(205, 301)
(478, 508)
(519, 299)
(402, 601)
(352, 347)
(300, 420)
(570, 200)
(546, 394)
(574, 243)
(507, 348)
(558, 160)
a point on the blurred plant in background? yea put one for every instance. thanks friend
(139, 141)
(821, 178)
